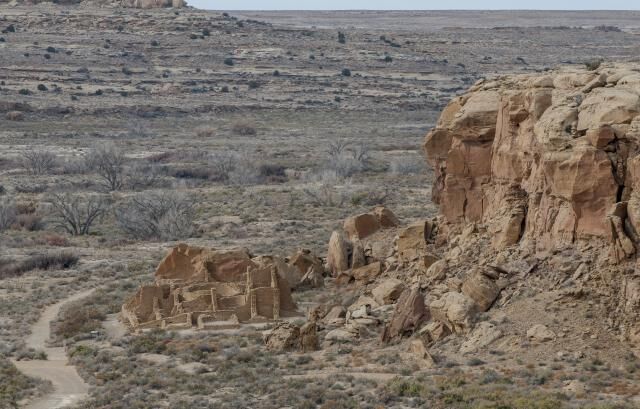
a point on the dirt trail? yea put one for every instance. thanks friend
(68, 386)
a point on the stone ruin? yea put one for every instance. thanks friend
(219, 289)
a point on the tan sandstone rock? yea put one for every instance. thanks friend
(338, 253)
(480, 288)
(388, 291)
(409, 314)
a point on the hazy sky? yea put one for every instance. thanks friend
(415, 4)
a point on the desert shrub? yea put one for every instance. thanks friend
(31, 188)
(370, 197)
(205, 132)
(244, 128)
(52, 239)
(234, 168)
(14, 386)
(406, 166)
(38, 162)
(342, 38)
(273, 173)
(388, 58)
(7, 213)
(42, 87)
(593, 64)
(76, 214)
(108, 162)
(47, 261)
(157, 215)
(608, 29)
(29, 222)
(324, 194)
(346, 159)
(253, 84)
(3, 190)
(228, 61)
(346, 72)
(142, 176)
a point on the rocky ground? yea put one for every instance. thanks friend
(265, 131)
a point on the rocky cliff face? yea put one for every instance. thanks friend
(544, 161)
(545, 167)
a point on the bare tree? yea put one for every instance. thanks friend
(7, 214)
(38, 162)
(76, 214)
(157, 215)
(108, 162)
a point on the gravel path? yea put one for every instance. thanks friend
(68, 386)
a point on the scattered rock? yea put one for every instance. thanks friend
(540, 333)
(481, 336)
(388, 291)
(421, 354)
(368, 273)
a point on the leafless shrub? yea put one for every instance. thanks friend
(244, 128)
(74, 166)
(406, 166)
(142, 176)
(157, 215)
(347, 159)
(137, 129)
(7, 213)
(76, 214)
(205, 132)
(325, 195)
(234, 168)
(38, 162)
(108, 162)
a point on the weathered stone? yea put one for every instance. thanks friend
(283, 337)
(540, 333)
(409, 314)
(480, 288)
(421, 353)
(368, 273)
(386, 218)
(361, 226)
(454, 310)
(338, 253)
(14, 116)
(309, 337)
(412, 242)
(388, 291)
(481, 336)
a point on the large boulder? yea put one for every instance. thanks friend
(455, 310)
(480, 288)
(409, 314)
(361, 226)
(283, 337)
(338, 253)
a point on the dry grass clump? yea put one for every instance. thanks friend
(244, 128)
(48, 261)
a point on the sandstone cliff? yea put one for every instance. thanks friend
(534, 165)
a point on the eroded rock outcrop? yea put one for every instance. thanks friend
(541, 160)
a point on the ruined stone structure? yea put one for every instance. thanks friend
(209, 288)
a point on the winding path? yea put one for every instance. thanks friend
(68, 386)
